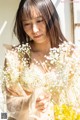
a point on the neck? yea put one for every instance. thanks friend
(43, 48)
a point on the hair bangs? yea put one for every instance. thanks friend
(28, 10)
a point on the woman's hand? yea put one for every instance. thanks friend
(42, 102)
(18, 90)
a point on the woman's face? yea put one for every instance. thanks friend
(35, 27)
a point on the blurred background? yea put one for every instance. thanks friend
(69, 13)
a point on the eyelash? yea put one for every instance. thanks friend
(37, 21)
(27, 24)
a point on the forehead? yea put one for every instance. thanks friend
(31, 13)
(35, 12)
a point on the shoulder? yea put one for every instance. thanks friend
(71, 53)
(23, 49)
(19, 50)
(67, 44)
(17, 53)
(63, 48)
(67, 47)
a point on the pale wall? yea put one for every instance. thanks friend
(7, 13)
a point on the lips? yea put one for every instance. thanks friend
(37, 36)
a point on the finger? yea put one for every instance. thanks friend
(11, 92)
(42, 103)
(42, 108)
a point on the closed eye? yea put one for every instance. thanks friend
(39, 21)
(27, 24)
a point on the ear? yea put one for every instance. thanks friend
(9, 47)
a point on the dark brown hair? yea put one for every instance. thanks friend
(50, 16)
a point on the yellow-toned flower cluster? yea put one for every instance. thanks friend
(65, 112)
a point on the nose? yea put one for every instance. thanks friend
(35, 28)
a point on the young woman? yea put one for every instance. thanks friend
(37, 29)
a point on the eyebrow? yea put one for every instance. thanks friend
(32, 18)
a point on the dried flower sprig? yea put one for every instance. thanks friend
(62, 80)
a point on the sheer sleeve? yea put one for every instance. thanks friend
(20, 102)
(16, 98)
(19, 106)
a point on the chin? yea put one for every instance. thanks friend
(40, 42)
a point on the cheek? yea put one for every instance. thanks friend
(25, 30)
(28, 33)
(43, 28)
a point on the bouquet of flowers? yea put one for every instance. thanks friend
(62, 79)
